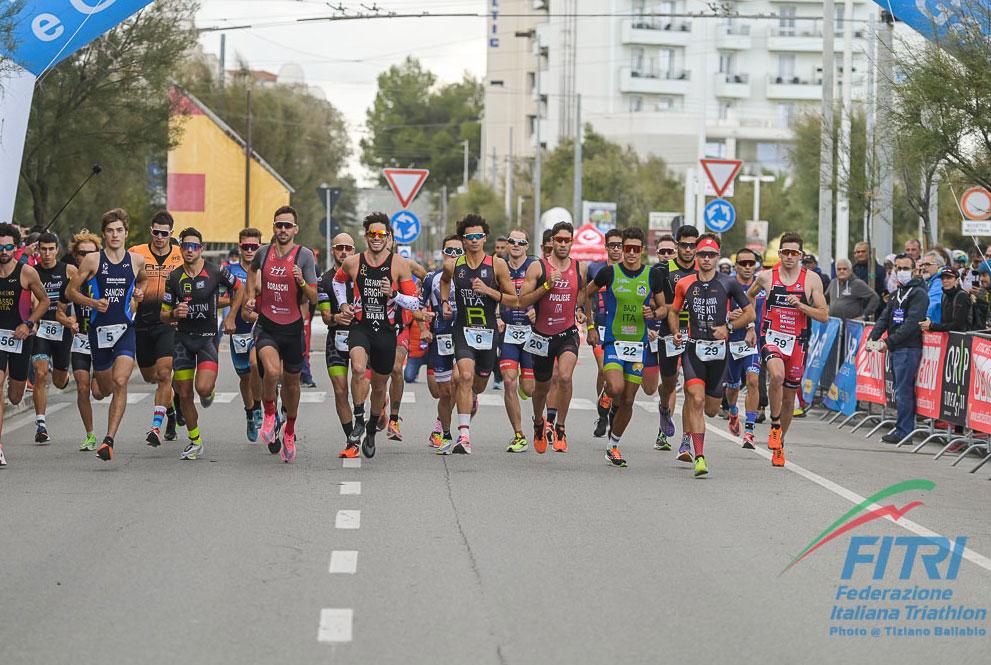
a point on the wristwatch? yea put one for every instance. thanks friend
(30, 324)
(729, 326)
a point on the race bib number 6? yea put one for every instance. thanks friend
(445, 345)
(479, 339)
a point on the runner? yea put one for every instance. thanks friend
(53, 338)
(794, 296)
(115, 279)
(743, 363)
(83, 244)
(555, 286)
(667, 251)
(597, 305)
(242, 345)
(397, 380)
(374, 275)
(627, 301)
(480, 282)
(515, 362)
(706, 297)
(440, 333)
(337, 334)
(190, 300)
(283, 276)
(154, 339)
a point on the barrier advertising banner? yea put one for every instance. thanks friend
(956, 379)
(979, 408)
(842, 395)
(820, 344)
(927, 379)
(870, 371)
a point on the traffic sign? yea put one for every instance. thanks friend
(404, 251)
(405, 227)
(405, 183)
(720, 215)
(721, 173)
(976, 227)
(976, 203)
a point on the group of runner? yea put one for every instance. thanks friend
(105, 307)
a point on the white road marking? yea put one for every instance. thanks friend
(409, 397)
(486, 399)
(351, 488)
(27, 417)
(343, 561)
(221, 398)
(335, 625)
(581, 404)
(352, 462)
(132, 398)
(348, 519)
(312, 398)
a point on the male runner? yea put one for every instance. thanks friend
(337, 334)
(283, 275)
(53, 338)
(706, 296)
(18, 282)
(243, 355)
(628, 309)
(155, 340)
(83, 244)
(374, 275)
(115, 280)
(480, 283)
(515, 362)
(397, 380)
(794, 296)
(554, 284)
(666, 249)
(597, 305)
(190, 300)
(743, 362)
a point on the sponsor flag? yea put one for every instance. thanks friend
(979, 409)
(927, 379)
(820, 345)
(956, 379)
(842, 395)
(870, 371)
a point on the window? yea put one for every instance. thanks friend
(531, 125)
(727, 63)
(786, 115)
(838, 24)
(664, 104)
(531, 81)
(786, 67)
(638, 61)
(724, 109)
(665, 62)
(715, 149)
(773, 156)
(786, 20)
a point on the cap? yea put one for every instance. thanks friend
(707, 244)
(985, 267)
(725, 261)
(960, 257)
(810, 257)
(948, 272)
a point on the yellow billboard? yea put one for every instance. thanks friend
(206, 175)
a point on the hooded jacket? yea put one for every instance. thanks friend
(913, 301)
(955, 311)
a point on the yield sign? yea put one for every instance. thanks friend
(721, 173)
(405, 183)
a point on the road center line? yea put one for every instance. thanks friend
(335, 625)
(348, 519)
(343, 561)
(351, 488)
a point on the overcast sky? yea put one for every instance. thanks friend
(344, 58)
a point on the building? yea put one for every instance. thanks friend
(653, 77)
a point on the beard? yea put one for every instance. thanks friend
(6, 259)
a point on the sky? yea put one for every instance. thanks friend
(345, 58)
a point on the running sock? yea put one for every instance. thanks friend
(686, 439)
(603, 409)
(464, 424)
(372, 425)
(257, 405)
(359, 411)
(348, 428)
(248, 412)
(269, 407)
(158, 416)
(40, 420)
(447, 434)
(291, 426)
(751, 420)
(170, 412)
(734, 410)
(551, 415)
(194, 434)
(698, 443)
(614, 440)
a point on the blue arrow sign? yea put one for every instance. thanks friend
(720, 215)
(405, 227)
(936, 19)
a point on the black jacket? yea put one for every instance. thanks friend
(913, 299)
(956, 312)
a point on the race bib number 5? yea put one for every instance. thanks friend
(107, 336)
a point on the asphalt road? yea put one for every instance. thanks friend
(488, 558)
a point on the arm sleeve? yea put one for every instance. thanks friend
(604, 276)
(340, 291)
(406, 301)
(323, 294)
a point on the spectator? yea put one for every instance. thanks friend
(862, 269)
(810, 262)
(932, 264)
(900, 318)
(725, 266)
(848, 296)
(890, 284)
(914, 249)
(955, 307)
(501, 250)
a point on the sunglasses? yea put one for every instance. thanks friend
(453, 251)
(9, 247)
(191, 246)
(283, 226)
(84, 252)
(160, 234)
(377, 235)
(707, 255)
(343, 248)
(686, 245)
(249, 247)
(790, 252)
(563, 240)
(665, 252)
(746, 264)
(474, 236)
(632, 249)
(614, 245)
(518, 243)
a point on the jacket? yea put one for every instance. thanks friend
(851, 299)
(913, 300)
(935, 312)
(956, 312)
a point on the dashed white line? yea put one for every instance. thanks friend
(221, 398)
(348, 519)
(335, 625)
(352, 462)
(312, 398)
(344, 562)
(351, 488)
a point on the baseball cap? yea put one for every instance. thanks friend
(948, 272)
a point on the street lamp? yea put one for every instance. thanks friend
(329, 195)
(757, 180)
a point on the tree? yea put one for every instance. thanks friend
(414, 123)
(7, 42)
(107, 103)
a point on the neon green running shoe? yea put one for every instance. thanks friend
(519, 444)
(89, 443)
(701, 468)
(662, 442)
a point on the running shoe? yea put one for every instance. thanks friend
(778, 457)
(350, 452)
(89, 443)
(289, 448)
(521, 392)
(154, 438)
(259, 417)
(41, 435)
(748, 440)
(560, 440)
(800, 412)
(436, 440)
(667, 423)
(701, 468)
(205, 402)
(446, 448)
(269, 431)
(380, 425)
(614, 457)
(462, 447)
(600, 427)
(392, 431)
(170, 423)
(106, 450)
(539, 436)
(774, 441)
(761, 417)
(193, 450)
(368, 445)
(252, 432)
(685, 452)
(355, 437)
(734, 425)
(3, 460)
(518, 444)
(661, 443)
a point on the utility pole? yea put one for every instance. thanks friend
(882, 227)
(577, 202)
(509, 179)
(537, 157)
(247, 165)
(826, 143)
(757, 180)
(843, 195)
(464, 180)
(871, 115)
(700, 177)
(222, 74)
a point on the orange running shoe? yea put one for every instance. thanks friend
(774, 440)
(393, 432)
(614, 457)
(351, 451)
(539, 436)
(778, 457)
(105, 451)
(560, 441)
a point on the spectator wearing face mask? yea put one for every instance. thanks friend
(955, 306)
(849, 297)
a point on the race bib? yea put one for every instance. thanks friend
(631, 352)
(445, 345)
(710, 349)
(479, 339)
(107, 336)
(602, 333)
(9, 343)
(741, 350)
(50, 330)
(341, 340)
(784, 341)
(517, 334)
(654, 344)
(537, 345)
(242, 342)
(671, 349)
(80, 343)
